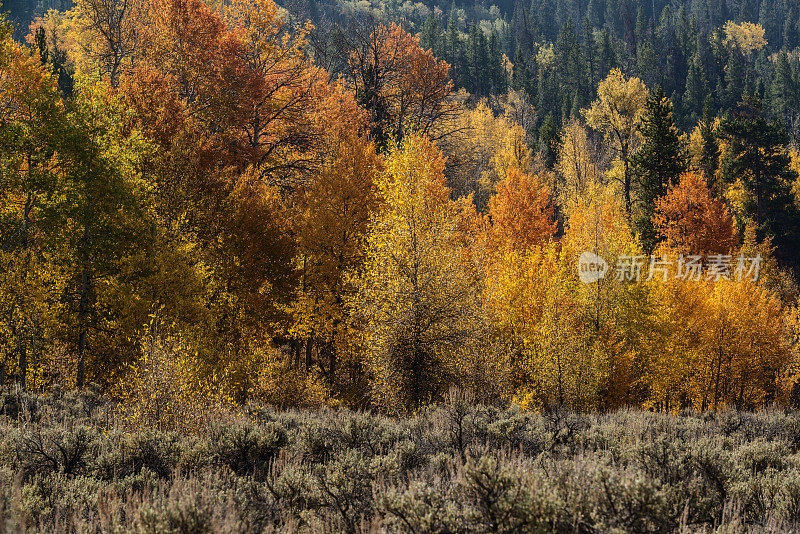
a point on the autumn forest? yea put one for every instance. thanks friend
(210, 203)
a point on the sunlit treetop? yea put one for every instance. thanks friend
(745, 36)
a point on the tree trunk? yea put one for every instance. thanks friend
(83, 311)
(25, 245)
(716, 381)
(627, 179)
(23, 365)
(309, 347)
(296, 348)
(332, 364)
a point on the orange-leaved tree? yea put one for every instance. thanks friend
(226, 97)
(722, 343)
(692, 220)
(333, 207)
(522, 211)
(403, 87)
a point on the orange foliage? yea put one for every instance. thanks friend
(235, 93)
(692, 220)
(522, 211)
(404, 87)
(333, 209)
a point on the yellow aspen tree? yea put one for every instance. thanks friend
(32, 271)
(481, 149)
(105, 35)
(617, 113)
(532, 303)
(415, 302)
(746, 36)
(577, 163)
(717, 343)
(617, 306)
(674, 349)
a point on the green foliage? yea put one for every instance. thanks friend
(757, 159)
(657, 164)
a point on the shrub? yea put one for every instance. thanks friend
(245, 448)
(457, 467)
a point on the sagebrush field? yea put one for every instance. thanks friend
(456, 467)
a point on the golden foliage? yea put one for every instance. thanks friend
(481, 149)
(721, 344)
(533, 300)
(745, 36)
(618, 112)
(578, 164)
(619, 106)
(166, 388)
(415, 303)
(294, 239)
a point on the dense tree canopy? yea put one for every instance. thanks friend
(205, 202)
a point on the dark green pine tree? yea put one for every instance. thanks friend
(497, 72)
(594, 14)
(783, 93)
(657, 164)
(544, 11)
(571, 72)
(771, 15)
(613, 18)
(590, 53)
(790, 40)
(522, 78)
(522, 28)
(709, 154)
(41, 44)
(640, 33)
(481, 62)
(647, 64)
(57, 58)
(453, 49)
(608, 54)
(477, 59)
(683, 29)
(735, 74)
(548, 140)
(758, 158)
(696, 87)
(548, 101)
(430, 37)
